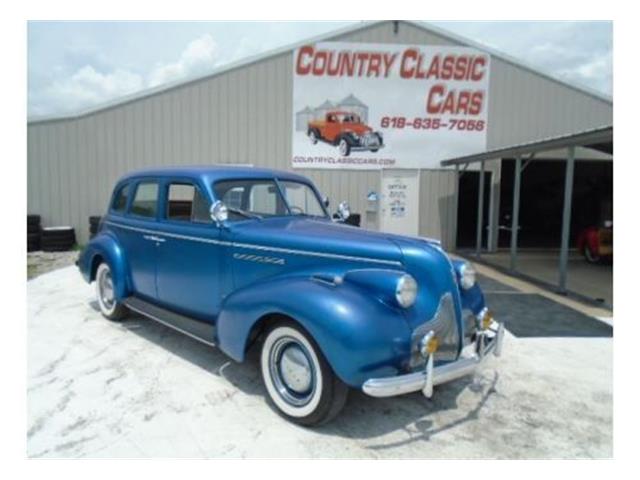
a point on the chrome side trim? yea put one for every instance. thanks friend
(317, 254)
(257, 247)
(170, 235)
(258, 258)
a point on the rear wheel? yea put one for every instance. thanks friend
(298, 379)
(105, 293)
(313, 137)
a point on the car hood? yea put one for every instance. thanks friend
(317, 236)
(422, 258)
(357, 128)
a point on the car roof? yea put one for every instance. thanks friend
(213, 173)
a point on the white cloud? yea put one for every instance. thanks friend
(200, 56)
(89, 86)
(85, 87)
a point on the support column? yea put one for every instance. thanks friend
(456, 192)
(566, 219)
(515, 212)
(480, 210)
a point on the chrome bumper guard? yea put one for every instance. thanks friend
(487, 341)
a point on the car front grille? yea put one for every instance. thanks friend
(444, 327)
(371, 140)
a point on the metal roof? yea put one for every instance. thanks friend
(286, 49)
(593, 136)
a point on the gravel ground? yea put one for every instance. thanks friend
(43, 262)
(137, 389)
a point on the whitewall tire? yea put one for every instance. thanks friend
(105, 294)
(298, 379)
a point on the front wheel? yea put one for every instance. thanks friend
(297, 377)
(344, 147)
(105, 293)
(590, 256)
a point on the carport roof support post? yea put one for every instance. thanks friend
(480, 210)
(566, 218)
(515, 212)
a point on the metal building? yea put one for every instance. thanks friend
(243, 113)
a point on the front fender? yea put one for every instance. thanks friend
(106, 247)
(359, 335)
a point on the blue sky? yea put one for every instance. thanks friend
(75, 65)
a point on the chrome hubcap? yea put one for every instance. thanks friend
(295, 369)
(292, 371)
(106, 289)
(343, 147)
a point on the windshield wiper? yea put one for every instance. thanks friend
(244, 213)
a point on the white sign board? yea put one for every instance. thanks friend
(400, 201)
(371, 106)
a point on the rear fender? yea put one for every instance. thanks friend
(106, 247)
(359, 335)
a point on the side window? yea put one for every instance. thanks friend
(120, 199)
(145, 201)
(186, 203)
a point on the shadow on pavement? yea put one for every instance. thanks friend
(405, 412)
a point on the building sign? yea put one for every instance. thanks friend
(371, 106)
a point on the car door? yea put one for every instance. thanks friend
(190, 273)
(136, 232)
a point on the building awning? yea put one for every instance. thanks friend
(600, 138)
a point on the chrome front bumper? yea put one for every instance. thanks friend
(487, 341)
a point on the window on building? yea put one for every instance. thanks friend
(145, 201)
(187, 203)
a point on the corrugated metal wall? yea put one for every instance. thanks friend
(245, 116)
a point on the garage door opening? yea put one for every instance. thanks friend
(554, 194)
(541, 199)
(468, 185)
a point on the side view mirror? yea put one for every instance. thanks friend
(344, 211)
(219, 212)
(325, 201)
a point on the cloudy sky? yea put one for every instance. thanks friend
(72, 66)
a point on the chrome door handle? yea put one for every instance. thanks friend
(153, 238)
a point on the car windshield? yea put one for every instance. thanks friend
(263, 198)
(350, 118)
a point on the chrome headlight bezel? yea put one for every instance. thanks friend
(467, 276)
(406, 291)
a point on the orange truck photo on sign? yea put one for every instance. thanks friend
(346, 131)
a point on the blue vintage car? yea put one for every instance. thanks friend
(243, 258)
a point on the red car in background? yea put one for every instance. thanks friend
(596, 243)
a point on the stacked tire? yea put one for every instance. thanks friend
(33, 233)
(94, 224)
(58, 239)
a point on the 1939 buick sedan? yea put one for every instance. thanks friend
(243, 258)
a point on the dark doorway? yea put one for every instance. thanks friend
(468, 185)
(542, 197)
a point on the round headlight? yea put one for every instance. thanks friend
(467, 276)
(406, 291)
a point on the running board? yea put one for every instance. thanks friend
(201, 331)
